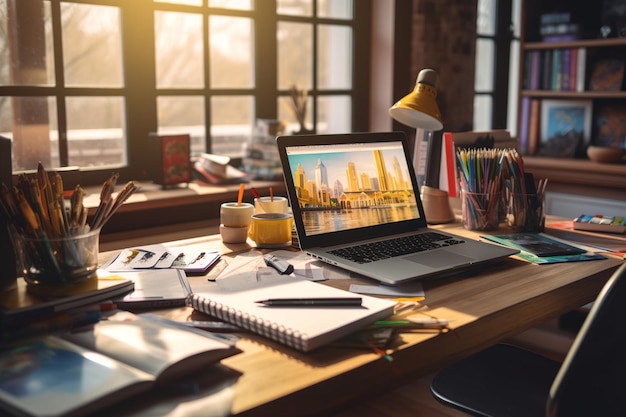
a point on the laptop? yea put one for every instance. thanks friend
(352, 194)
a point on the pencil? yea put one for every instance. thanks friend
(240, 196)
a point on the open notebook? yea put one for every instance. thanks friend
(303, 328)
(353, 194)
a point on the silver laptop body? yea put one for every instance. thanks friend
(356, 189)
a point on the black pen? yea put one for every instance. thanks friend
(312, 302)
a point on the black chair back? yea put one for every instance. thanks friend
(592, 379)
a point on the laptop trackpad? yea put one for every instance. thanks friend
(439, 259)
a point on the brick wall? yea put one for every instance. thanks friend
(443, 38)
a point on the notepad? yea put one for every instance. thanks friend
(302, 328)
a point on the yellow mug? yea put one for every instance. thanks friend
(271, 229)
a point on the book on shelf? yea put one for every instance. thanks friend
(566, 69)
(235, 300)
(534, 127)
(524, 125)
(581, 68)
(558, 69)
(79, 373)
(18, 304)
(546, 70)
(535, 68)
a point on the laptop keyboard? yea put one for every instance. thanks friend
(370, 252)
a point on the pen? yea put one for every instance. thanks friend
(312, 302)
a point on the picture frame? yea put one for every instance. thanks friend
(607, 75)
(610, 125)
(565, 127)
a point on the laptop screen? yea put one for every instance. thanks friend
(348, 182)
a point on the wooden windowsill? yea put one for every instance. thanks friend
(154, 210)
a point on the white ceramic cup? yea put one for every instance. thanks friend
(271, 205)
(234, 234)
(235, 215)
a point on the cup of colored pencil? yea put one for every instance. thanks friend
(56, 247)
(480, 183)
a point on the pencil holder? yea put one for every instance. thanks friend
(525, 212)
(480, 211)
(56, 266)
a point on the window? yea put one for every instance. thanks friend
(84, 82)
(497, 47)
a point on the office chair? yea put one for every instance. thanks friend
(509, 381)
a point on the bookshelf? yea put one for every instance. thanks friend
(581, 52)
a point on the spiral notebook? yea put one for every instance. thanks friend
(302, 328)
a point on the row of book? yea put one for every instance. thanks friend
(555, 69)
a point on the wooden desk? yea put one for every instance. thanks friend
(483, 308)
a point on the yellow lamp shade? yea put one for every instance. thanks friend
(419, 108)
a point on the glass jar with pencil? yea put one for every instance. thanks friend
(56, 247)
(495, 188)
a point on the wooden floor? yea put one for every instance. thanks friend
(413, 399)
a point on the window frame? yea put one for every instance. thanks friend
(140, 91)
(502, 41)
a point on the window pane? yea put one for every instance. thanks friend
(483, 105)
(484, 65)
(334, 57)
(232, 4)
(516, 18)
(95, 137)
(31, 123)
(513, 86)
(232, 118)
(295, 7)
(179, 50)
(31, 63)
(486, 19)
(287, 114)
(92, 45)
(231, 52)
(295, 55)
(334, 114)
(181, 115)
(337, 9)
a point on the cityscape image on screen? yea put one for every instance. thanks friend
(342, 187)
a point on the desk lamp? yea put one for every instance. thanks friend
(419, 109)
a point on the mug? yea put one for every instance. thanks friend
(271, 229)
(270, 205)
